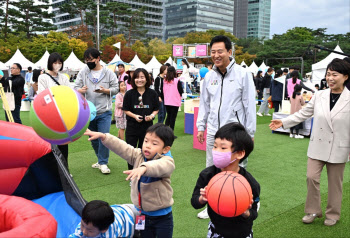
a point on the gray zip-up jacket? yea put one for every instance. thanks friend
(227, 98)
(108, 80)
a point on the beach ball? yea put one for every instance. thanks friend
(203, 71)
(60, 115)
(93, 110)
(229, 194)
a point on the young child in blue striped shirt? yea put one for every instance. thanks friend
(100, 220)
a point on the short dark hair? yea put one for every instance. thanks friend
(30, 68)
(285, 70)
(209, 63)
(36, 74)
(236, 133)
(53, 58)
(91, 52)
(294, 74)
(99, 213)
(221, 38)
(270, 69)
(163, 68)
(167, 64)
(19, 66)
(136, 74)
(316, 85)
(340, 66)
(186, 62)
(165, 133)
(171, 74)
(121, 65)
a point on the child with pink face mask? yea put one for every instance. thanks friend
(232, 146)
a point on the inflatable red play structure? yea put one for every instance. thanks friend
(23, 218)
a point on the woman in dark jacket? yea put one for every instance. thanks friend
(277, 90)
(258, 81)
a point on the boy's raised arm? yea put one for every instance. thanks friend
(162, 167)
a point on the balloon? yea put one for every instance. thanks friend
(203, 71)
(93, 110)
(1, 73)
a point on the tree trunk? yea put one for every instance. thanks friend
(130, 31)
(6, 19)
(27, 23)
(81, 16)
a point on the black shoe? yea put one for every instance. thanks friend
(112, 122)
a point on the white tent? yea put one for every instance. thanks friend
(253, 68)
(263, 67)
(319, 68)
(3, 66)
(73, 63)
(243, 63)
(115, 59)
(154, 66)
(42, 63)
(18, 57)
(137, 62)
(171, 62)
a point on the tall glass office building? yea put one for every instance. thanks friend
(153, 16)
(184, 16)
(259, 13)
(240, 20)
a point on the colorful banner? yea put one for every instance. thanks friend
(191, 51)
(177, 50)
(201, 50)
(179, 64)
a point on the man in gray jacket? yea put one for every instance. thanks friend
(228, 95)
(98, 84)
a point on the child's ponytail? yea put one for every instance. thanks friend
(297, 89)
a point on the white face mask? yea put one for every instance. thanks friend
(56, 67)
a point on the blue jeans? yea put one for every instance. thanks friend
(15, 114)
(188, 90)
(101, 123)
(161, 113)
(158, 226)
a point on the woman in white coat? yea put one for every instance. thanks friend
(329, 142)
(186, 75)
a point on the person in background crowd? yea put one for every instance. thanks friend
(277, 90)
(34, 88)
(296, 103)
(258, 82)
(127, 79)
(152, 81)
(209, 65)
(186, 75)
(158, 87)
(119, 113)
(28, 77)
(324, 84)
(121, 72)
(317, 87)
(98, 84)
(265, 88)
(172, 91)
(15, 84)
(294, 80)
(141, 105)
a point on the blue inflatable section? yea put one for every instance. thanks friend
(67, 219)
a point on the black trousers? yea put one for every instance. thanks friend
(171, 112)
(15, 114)
(135, 134)
(276, 105)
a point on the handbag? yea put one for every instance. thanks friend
(10, 98)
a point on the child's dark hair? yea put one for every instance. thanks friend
(171, 74)
(119, 83)
(99, 213)
(294, 75)
(164, 132)
(297, 89)
(236, 133)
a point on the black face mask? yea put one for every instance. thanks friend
(91, 65)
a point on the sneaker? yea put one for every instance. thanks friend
(104, 169)
(291, 135)
(329, 222)
(203, 214)
(96, 166)
(259, 114)
(268, 114)
(299, 137)
(309, 218)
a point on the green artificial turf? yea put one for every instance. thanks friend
(278, 163)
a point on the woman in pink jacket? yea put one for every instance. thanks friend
(118, 112)
(172, 90)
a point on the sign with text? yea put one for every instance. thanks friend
(177, 50)
(201, 50)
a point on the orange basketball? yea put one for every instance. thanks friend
(229, 194)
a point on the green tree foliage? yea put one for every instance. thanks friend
(134, 25)
(78, 7)
(119, 12)
(31, 16)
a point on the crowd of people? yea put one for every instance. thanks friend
(227, 112)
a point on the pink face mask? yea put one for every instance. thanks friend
(222, 159)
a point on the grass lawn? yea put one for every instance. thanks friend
(278, 163)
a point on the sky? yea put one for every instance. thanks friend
(331, 14)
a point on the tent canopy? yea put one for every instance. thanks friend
(18, 57)
(42, 63)
(171, 62)
(3, 66)
(263, 67)
(115, 59)
(73, 63)
(253, 68)
(137, 62)
(154, 66)
(319, 68)
(243, 63)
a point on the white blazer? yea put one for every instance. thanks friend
(330, 137)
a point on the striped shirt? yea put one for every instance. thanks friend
(123, 225)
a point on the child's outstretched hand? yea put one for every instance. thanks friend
(135, 173)
(246, 214)
(93, 135)
(203, 198)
